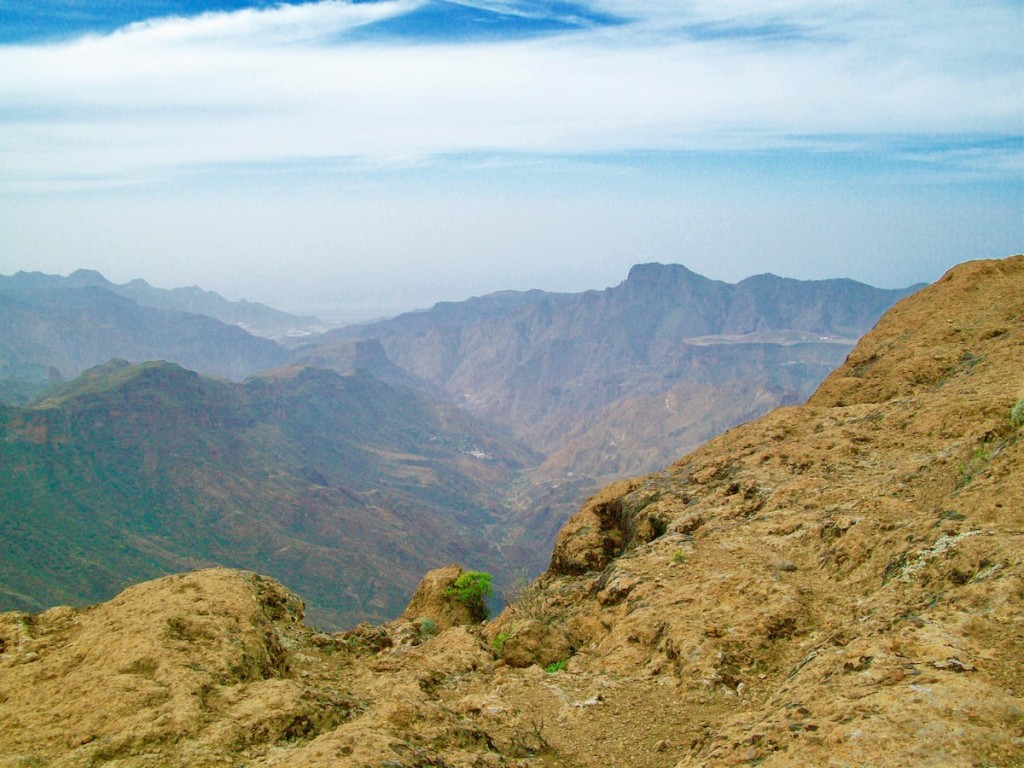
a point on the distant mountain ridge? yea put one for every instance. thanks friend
(676, 302)
(497, 352)
(258, 319)
(68, 330)
(619, 381)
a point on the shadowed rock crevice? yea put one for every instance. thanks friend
(614, 521)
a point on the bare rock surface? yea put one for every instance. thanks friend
(838, 584)
(431, 600)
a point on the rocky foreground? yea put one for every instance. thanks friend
(837, 584)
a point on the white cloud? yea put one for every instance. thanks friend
(286, 23)
(276, 85)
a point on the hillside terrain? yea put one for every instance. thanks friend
(602, 385)
(256, 318)
(839, 583)
(608, 384)
(48, 335)
(329, 482)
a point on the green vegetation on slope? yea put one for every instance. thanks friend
(331, 483)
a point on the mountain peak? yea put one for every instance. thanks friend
(653, 270)
(88, 277)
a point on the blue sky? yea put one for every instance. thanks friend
(364, 158)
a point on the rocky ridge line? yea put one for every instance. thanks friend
(837, 584)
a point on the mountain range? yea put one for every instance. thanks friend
(621, 381)
(52, 331)
(835, 583)
(295, 469)
(256, 318)
(545, 364)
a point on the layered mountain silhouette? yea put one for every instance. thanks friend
(297, 470)
(541, 363)
(256, 318)
(837, 583)
(56, 333)
(337, 484)
(620, 381)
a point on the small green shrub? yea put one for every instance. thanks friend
(498, 643)
(1017, 414)
(679, 557)
(472, 588)
(556, 666)
(426, 628)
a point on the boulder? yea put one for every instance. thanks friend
(533, 642)
(430, 601)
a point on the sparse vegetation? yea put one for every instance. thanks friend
(177, 629)
(556, 666)
(498, 643)
(1017, 414)
(426, 628)
(977, 463)
(526, 600)
(531, 741)
(145, 667)
(518, 587)
(985, 453)
(679, 557)
(472, 588)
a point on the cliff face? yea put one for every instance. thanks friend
(840, 583)
(566, 372)
(618, 382)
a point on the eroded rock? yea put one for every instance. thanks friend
(430, 601)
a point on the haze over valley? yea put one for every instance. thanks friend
(861, 547)
(478, 426)
(511, 384)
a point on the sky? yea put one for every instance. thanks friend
(360, 159)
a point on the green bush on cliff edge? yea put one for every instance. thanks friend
(472, 588)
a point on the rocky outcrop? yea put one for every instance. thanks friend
(432, 600)
(201, 658)
(533, 642)
(613, 521)
(836, 584)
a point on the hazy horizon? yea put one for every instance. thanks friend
(360, 312)
(368, 158)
